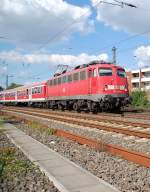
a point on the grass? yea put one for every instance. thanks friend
(1, 124)
(41, 128)
(139, 100)
(10, 164)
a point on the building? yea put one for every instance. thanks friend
(129, 77)
(139, 80)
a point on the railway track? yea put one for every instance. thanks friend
(105, 117)
(133, 156)
(143, 116)
(144, 133)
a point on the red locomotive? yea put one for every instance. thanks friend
(94, 86)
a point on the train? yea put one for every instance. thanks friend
(95, 86)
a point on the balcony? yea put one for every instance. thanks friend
(135, 80)
(145, 79)
(147, 87)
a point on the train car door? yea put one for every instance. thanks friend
(30, 93)
(92, 81)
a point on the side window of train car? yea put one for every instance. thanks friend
(33, 91)
(51, 83)
(48, 83)
(55, 81)
(105, 71)
(59, 80)
(82, 75)
(76, 77)
(69, 78)
(90, 73)
(41, 89)
(64, 79)
(38, 90)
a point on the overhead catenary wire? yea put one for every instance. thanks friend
(121, 4)
(103, 48)
(68, 26)
(123, 40)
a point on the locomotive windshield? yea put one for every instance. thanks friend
(121, 73)
(105, 72)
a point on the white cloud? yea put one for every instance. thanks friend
(52, 59)
(32, 22)
(142, 53)
(133, 20)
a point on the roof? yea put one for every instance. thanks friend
(24, 87)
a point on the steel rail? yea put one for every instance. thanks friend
(141, 116)
(82, 122)
(135, 157)
(118, 120)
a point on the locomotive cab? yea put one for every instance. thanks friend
(109, 85)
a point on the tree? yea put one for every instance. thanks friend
(1, 88)
(13, 85)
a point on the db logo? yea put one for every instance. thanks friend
(64, 90)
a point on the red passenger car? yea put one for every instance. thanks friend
(10, 96)
(38, 92)
(23, 94)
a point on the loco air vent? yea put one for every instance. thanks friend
(95, 62)
(81, 66)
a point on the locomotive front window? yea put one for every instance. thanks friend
(121, 73)
(105, 72)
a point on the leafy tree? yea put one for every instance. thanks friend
(13, 85)
(1, 88)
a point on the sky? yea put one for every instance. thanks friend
(38, 35)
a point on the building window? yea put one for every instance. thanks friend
(135, 85)
(134, 75)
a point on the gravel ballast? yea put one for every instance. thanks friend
(124, 175)
(129, 142)
(19, 174)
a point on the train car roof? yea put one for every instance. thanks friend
(23, 87)
(105, 64)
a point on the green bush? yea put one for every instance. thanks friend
(139, 99)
